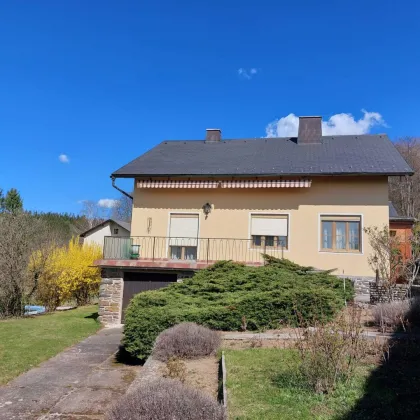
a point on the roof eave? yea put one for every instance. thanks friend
(131, 175)
(403, 219)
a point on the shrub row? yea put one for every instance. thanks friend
(186, 340)
(221, 296)
(166, 399)
(397, 314)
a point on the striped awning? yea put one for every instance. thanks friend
(267, 184)
(225, 184)
(177, 184)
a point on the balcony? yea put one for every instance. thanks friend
(192, 253)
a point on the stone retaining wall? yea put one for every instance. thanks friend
(380, 293)
(361, 284)
(110, 296)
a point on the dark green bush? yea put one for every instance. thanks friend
(221, 295)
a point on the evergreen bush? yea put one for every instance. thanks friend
(222, 296)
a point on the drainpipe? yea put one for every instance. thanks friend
(119, 189)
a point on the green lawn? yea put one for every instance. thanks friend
(26, 342)
(265, 384)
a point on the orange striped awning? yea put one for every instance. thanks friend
(267, 184)
(177, 184)
(225, 184)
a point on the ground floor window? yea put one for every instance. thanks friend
(269, 230)
(182, 252)
(341, 233)
(183, 236)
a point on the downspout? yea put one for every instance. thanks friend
(119, 189)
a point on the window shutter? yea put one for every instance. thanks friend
(340, 218)
(183, 230)
(269, 225)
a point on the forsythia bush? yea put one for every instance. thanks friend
(68, 273)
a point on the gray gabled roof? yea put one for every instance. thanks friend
(338, 155)
(395, 217)
(124, 225)
(392, 210)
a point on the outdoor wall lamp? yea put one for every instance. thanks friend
(207, 209)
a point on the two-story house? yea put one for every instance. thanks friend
(199, 201)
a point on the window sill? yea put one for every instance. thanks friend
(260, 248)
(333, 251)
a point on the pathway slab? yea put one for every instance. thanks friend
(81, 382)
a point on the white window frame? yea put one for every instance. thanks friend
(362, 247)
(269, 213)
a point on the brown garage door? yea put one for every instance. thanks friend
(141, 282)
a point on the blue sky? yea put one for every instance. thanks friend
(103, 81)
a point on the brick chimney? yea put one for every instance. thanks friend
(310, 130)
(213, 135)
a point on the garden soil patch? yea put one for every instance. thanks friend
(203, 374)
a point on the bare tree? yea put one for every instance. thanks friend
(22, 236)
(122, 210)
(93, 214)
(404, 191)
(411, 265)
(386, 258)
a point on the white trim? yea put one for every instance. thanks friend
(362, 247)
(169, 227)
(268, 213)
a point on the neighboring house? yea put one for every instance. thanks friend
(109, 228)
(401, 227)
(196, 202)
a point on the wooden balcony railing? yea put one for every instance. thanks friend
(158, 248)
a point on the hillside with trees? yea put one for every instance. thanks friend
(41, 259)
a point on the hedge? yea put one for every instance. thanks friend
(221, 296)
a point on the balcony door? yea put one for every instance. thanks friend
(183, 236)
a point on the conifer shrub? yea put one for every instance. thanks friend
(222, 296)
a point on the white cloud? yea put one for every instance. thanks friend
(335, 125)
(63, 158)
(247, 74)
(108, 203)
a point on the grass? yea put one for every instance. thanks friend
(26, 342)
(266, 384)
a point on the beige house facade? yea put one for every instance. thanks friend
(307, 212)
(307, 199)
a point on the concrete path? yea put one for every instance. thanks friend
(79, 383)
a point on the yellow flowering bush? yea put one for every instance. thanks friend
(69, 274)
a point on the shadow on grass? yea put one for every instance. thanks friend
(124, 357)
(94, 316)
(392, 390)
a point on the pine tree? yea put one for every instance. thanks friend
(12, 203)
(1, 200)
